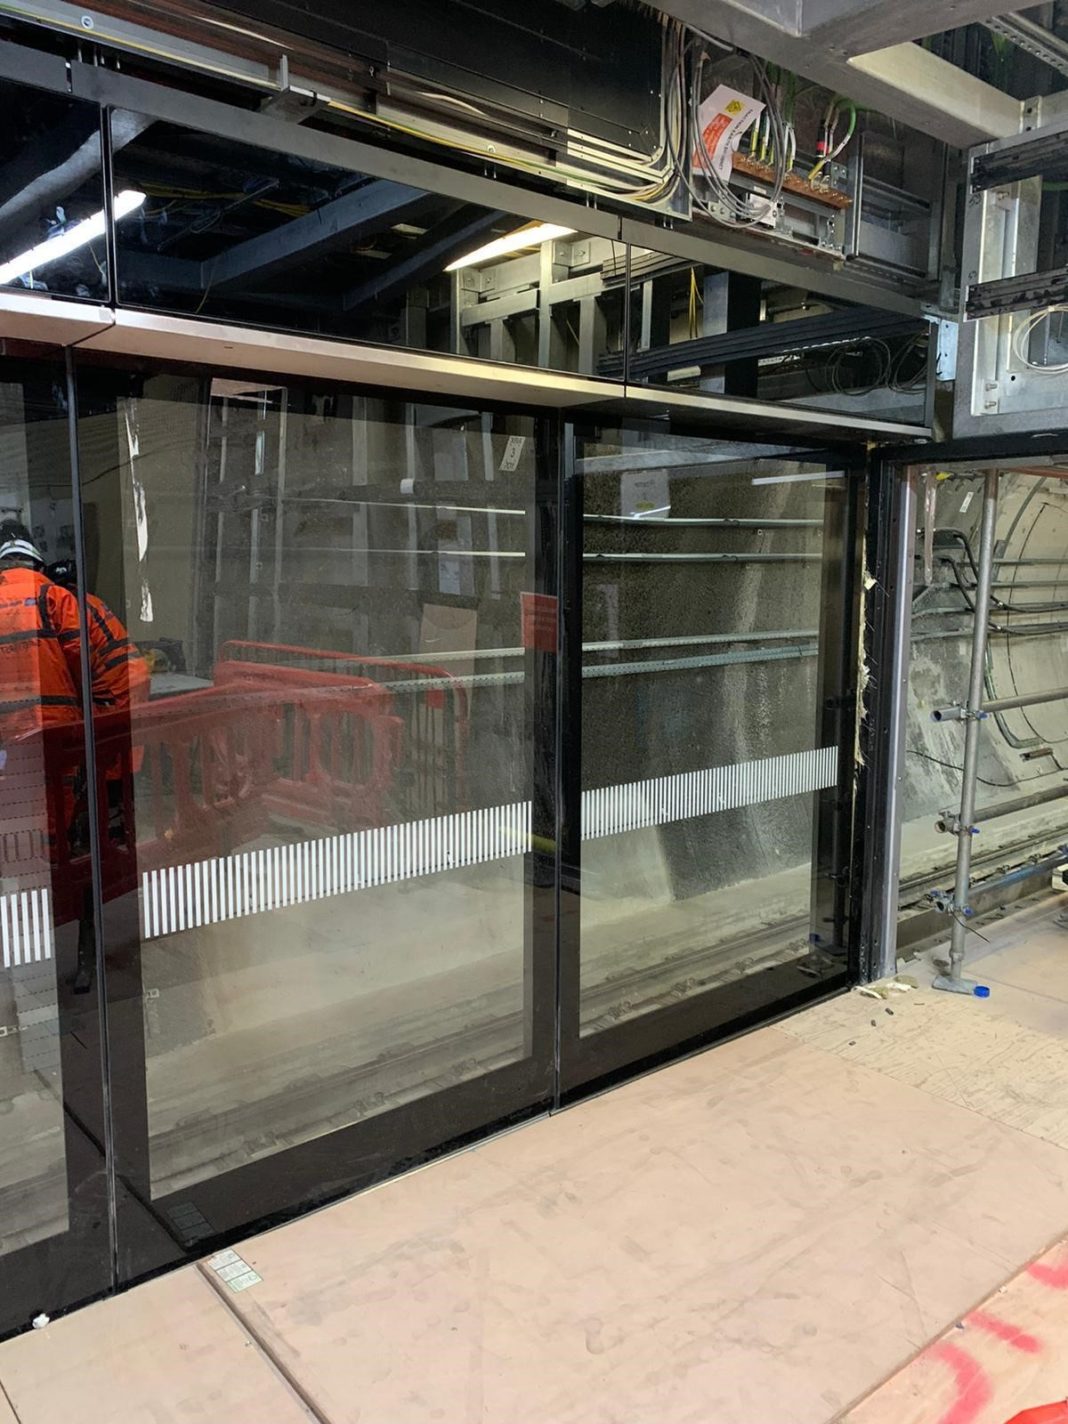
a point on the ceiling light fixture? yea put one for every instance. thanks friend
(533, 235)
(73, 237)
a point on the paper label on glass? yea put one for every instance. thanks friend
(643, 493)
(513, 453)
(722, 119)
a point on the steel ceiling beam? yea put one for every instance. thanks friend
(367, 209)
(40, 178)
(852, 27)
(449, 240)
(904, 81)
(1040, 43)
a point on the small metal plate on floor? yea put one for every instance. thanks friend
(234, 1270)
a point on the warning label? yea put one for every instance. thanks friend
(722, 119)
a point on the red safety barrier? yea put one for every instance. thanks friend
(433, 704)
(335, 743)
(191, 777)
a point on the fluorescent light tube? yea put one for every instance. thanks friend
(531, 236)
(80, 233)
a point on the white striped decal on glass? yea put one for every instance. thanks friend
(657, 802)
(230, 887)
(209, 891)
(26, 927)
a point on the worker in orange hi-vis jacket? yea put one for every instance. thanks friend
(120, 675)
(120, 680)
(40, 689)
(40, 641)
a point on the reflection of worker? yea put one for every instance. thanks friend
(40, 683)
(120, 680)
(119, 673)
(40, 652)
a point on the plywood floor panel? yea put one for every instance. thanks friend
(168, 1352)
(752, 1235)
(1007, 1357)
(756, 1235)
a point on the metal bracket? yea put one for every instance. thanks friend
(951, 824)
(956, 713)
(946, 340)
(944, 903)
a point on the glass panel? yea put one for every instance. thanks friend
(702, 598)
(51, 195)
(246, 234)
(44, 866)
(686, 317)
(323, 823)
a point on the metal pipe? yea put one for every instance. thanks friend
(955, 981)
(673, 522)
(1024, 872)
(1028, 699)
(609, 558)
(689, 640)
(1008, 808)
(587, 558)
(788, 653)
(1014, 584)
(999, 704)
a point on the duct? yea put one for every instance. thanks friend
(53, 185)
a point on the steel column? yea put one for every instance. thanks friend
(954, 980)
(890, 565)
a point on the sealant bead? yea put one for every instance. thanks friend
(981, 991)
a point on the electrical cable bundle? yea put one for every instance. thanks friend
(870, 345)
(830, 146)
(727, 205)
(660, 171)
(711, 194)
(680, 159)
(916, 345)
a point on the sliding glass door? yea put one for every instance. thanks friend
(327, 898)
(55, 1237)
(423, 765)
(713, 763)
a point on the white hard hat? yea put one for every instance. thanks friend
(20, 549)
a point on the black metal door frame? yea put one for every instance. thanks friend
(595, 1061)
(69, 1267)
(121, 1234)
